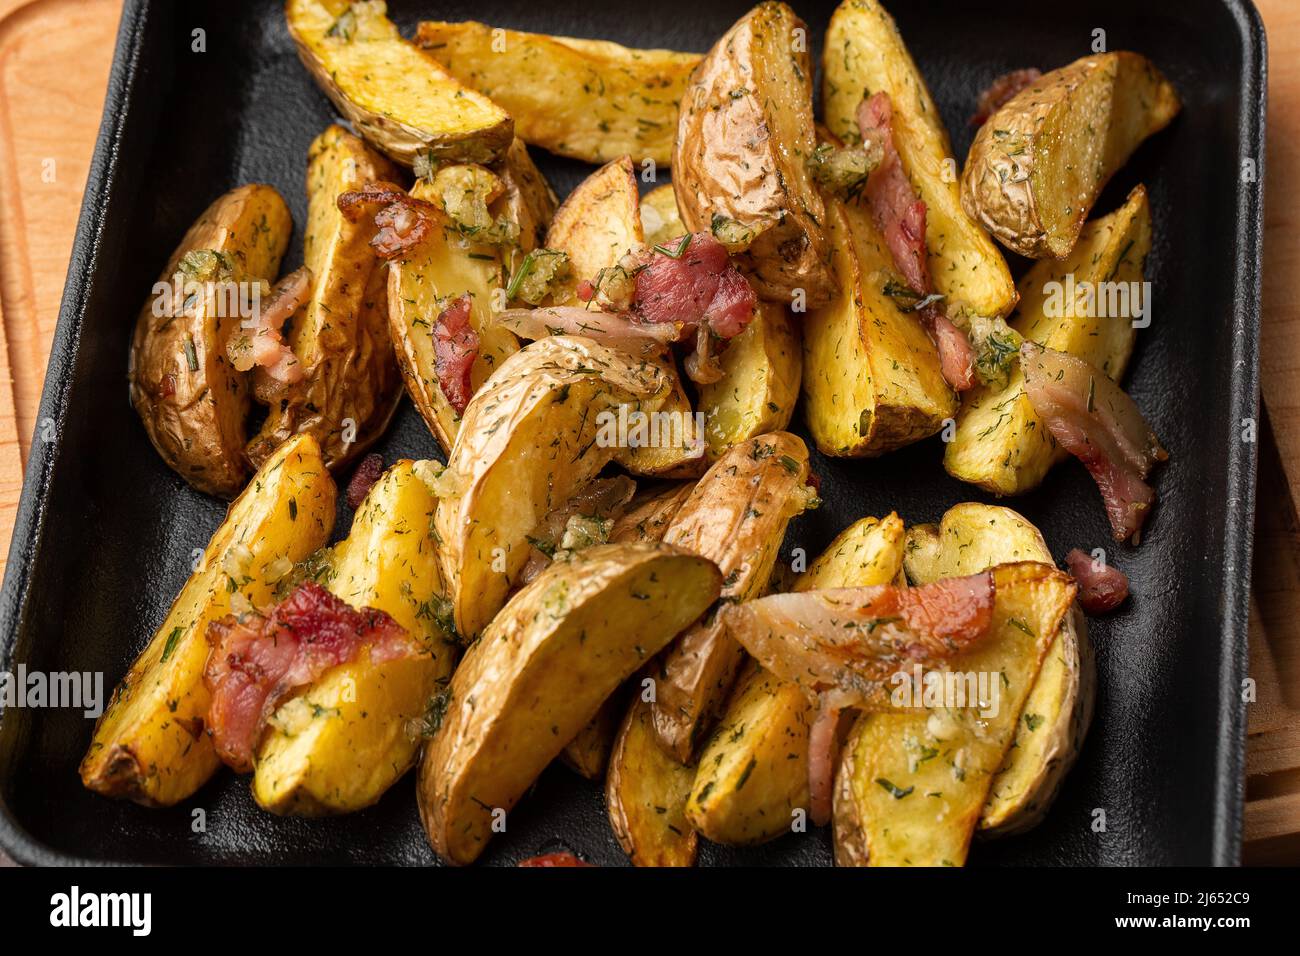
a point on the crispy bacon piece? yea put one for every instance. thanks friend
(618, 329)
(1093, 419)
(455, 347)
(824, 740)
(554, 859)
(364, 477)
(262, 344)
(900, 216)
(1102, 587)
(257, 662)
(402, 221)
(1001, 91)
(851, 641)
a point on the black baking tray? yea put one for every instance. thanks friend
(105, 531)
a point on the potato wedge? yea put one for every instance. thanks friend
(350, 385)
(645, 792)
(739, 169)
(587, 754)
(912, 785)
(443, 267)
(1039, 163)
(528, 202)
(864, 53)
(1055, 718)
(1000, 443)
(736, 516)
(871, 374)
(660, 220)
(149, 745)
(543, 668)
(647, 518)
(193, 403)
(339, 746)
(528, 444)
(753, 773)
(394, 94)
(587, 99)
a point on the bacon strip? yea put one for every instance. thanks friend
(1002, 91)
(553, 859)
(1102, 587)
(455, 347)
(262, 345)
(258, 662)
(1093, 419)
(367, 472)
(617, 329)
(402, 221)
(824, 740)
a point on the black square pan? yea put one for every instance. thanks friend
(105, 530)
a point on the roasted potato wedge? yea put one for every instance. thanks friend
(740, 170)
(528, 201)
(1000, 443)
(443, 267)
(1039, 163)
(588, 99)
(753, 773)
(527, 445)
(1055, 718)
(736, 516)
(339, 746)
(350, 385)
(647, 517)
(912, 784)
(871, 378)
(193, 402)
(150, 745)
(394, 94)
(541, 671)
(864, 53)
(660, 220)
(587, 754)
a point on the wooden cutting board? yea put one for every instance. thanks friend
(54, 62)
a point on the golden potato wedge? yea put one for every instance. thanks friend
(1055, 718)
(753, 773)
(871, 378)
(527, 445)
(587, 754)
(864, 53)
(150, 745)
(1000, 443)
(1040, 162)
(420, 283)
(647, 517)
(660, 220)
(393, 93)
(645, 793)
(528, 202)
(541, 671)
(588, 99)
(740, 170)
(193, 403)
(350, 385)
(736, 516)
(912, 784)
(339, 746)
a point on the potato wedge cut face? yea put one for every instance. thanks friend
(865, 52)
(528, 202)
(192, 401)
(395, 95)
(541, 671)
(660, 220)
(597, 224)
(149, 745)
(528, 443)
(587, 99)
(1000, 443)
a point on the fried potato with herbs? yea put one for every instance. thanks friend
(1055, 717)
(740, 167)
(350, 384)
(528, 201)
(393, 93)
(912, 784)
(736, 516)
(193, 402)
(872, 378)
(660, 220)
(753, 773)
(340, 745)
(527, 444)
(1039, 163)
(648, 516)
(865, 54)
(587, 99)
(540, 672)
(1000, 443)
(150, 745)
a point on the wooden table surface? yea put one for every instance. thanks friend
(54, 62)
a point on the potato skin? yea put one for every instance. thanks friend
(1039, 163)
(196, 411)
(743, 136)
(543, 668)
(528, 201)
(149, 745)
